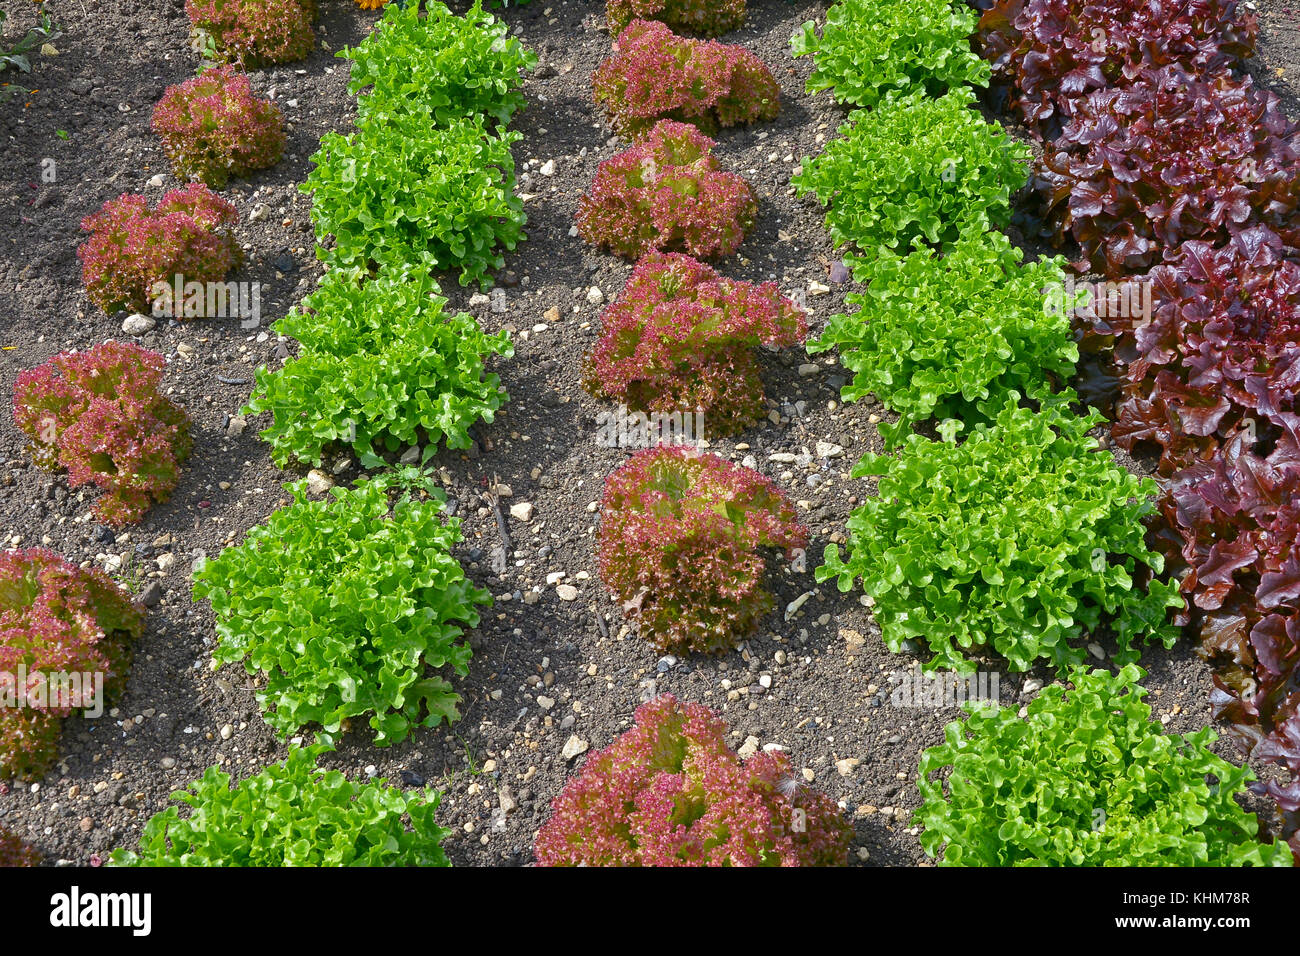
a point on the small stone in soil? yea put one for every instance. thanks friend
(137, 324)
(152, 595)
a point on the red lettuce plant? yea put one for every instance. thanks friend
(679, 546)
(213, 127)
(670, 792)
(1049, 53)
(655, 74)
(132, 247)
(102, 415)
(15, 852)
(1234, 524)
(703, 17)
(668, 192)
(681, 337)
(1281, 745)
(1220, 352)
(1142, 168)
(257, 32)
(55, 618)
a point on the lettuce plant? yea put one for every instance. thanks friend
(56, 618)
(655, 74)
(131, 247)
(1086, 778)
(102, 415)
(257, 32)
(343, 605)
(1049, 53)
(870, 49)
(951, 337)
(1233, 524)
(381, 366)
(1232, 527)
(213, 127)
(682, 338)
(1208, 380)
(915, 169)
(293, 813)
(1170, 157)
(1220, 352)
(14, 851)
(440, 64)
(669, 193)
(399, 188)
(1016, 540)
(1282, 746)
(670, 792)
(680, 540)
(701, 17)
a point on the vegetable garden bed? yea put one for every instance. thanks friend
(557, 667)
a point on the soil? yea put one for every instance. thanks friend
(501, 765)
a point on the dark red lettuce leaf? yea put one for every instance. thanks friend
(1048, 53)
(1282, 746)
(1237, 517)
(1170, 157)
(1218, 355)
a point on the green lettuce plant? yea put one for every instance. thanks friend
(1085, 779)
(1017, 540)
(915, 170)
(439, 64)
(399, 188)
(381, 366)
(869, 49)
(343, 606)
(951, 337)
(293, 813)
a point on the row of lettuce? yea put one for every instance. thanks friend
(353, 605)
(1178, 179)
(1012, 532)
(102, 416)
